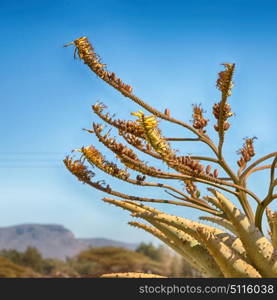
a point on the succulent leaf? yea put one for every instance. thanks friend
(196, 254)
(229, 262)
(220, 221)
(163, 236)
(258, 248)
(190, 227)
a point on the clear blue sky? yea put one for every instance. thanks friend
(169, 51)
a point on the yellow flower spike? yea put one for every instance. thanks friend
(152, 134)
(139, 114)
(151, 120)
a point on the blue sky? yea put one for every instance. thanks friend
(169, 51)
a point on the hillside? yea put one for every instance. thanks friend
(10, 270)
(53, 241)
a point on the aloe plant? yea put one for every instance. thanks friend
(240, 248)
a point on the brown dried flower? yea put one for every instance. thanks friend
(224, 81)
(123, 126)
(199, 122)
(78, 169)
(86, 53)
(246, 152)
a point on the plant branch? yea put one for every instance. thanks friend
(255, 163)
(182, 139)
(268, 199)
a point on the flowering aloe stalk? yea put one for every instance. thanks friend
(240, 249)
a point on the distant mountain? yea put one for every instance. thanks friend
(51, 240)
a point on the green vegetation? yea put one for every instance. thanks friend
(32, 259)
(173, 264)
(151, 251)
(112, 259)
(9, 269)
(95, 262)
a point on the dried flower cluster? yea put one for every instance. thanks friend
(224, 82)
(195, 166)
(199, 122)
(247, 152)
(123, 126)
(119, 82)
(118, 148)
(87, 54)
(240, 249)
(78, 169)
(191, 188)
(95, 158)
(138, 143)
(226, 113)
